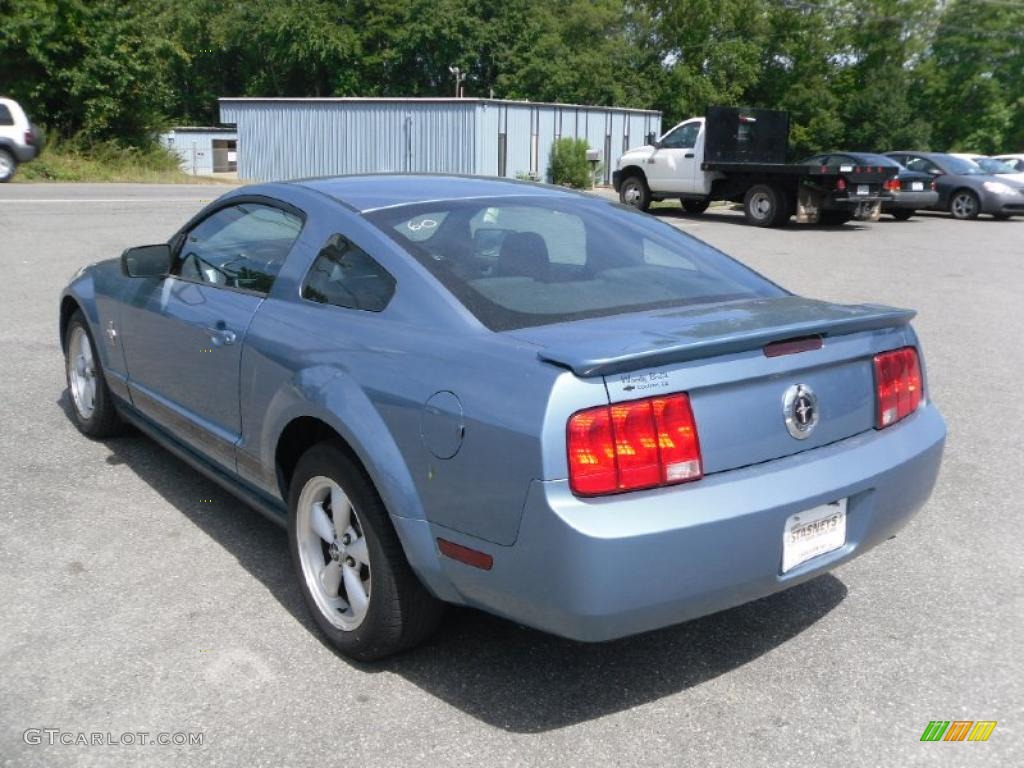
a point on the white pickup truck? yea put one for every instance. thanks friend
(738, 155)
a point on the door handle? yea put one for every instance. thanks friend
(224, 338)
(220, 336)
(688, 154)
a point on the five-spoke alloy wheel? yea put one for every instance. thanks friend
(333, 552)
(92, 406)
(351, 567)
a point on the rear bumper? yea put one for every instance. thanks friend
(595, 570)
(845, 202)
(912, 200)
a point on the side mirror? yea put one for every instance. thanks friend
(147, 261)
(652, 139)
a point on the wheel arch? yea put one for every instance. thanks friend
(633, 170)
(391, 482)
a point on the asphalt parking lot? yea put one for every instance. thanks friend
(137, 596)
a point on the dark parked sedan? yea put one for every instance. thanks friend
(909, 191)
(965, 190)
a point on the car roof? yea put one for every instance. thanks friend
(372, 192)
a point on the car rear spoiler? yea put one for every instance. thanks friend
(655, 339)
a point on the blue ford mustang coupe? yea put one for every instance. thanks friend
(506, 396)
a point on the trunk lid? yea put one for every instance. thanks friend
(716, 354)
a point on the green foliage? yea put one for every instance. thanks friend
(569, 164)
(75, 160)
(855, 74)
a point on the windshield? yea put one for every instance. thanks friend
(959, 166)
(991, 165)
(520, 262)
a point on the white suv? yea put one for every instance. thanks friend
(19, 139)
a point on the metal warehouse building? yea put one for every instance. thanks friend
(285, 138)
(203, 150)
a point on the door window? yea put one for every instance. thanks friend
(242, 246)
(683, 137)
(921, 164)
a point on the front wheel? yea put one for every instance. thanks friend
(635, 193)
(351, 569)
(7, 166)
(764, 205)
(695, 206)
(92, 405)
(964, 205)
(902, 214)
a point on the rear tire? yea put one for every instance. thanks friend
(8, 165)
(358, 585)
(902, 214)
(695, 207)
(635, 193)
(764, 205)
(964, 205)
(92, 405)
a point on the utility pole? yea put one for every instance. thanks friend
(459, 77)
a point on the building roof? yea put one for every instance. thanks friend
(426, 100)
(372, 192)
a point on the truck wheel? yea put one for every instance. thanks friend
(765, 206)
(964, 204)
(695, 206)
(635, 193)
(902, 214)
(7, 166)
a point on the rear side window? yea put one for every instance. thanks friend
(346, 276)
(516, 263)
(5, 115)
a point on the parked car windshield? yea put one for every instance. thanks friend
(959, 166)
(520, 262)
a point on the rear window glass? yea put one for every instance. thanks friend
(5, 115)
(516, 263)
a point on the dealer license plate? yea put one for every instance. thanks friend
(813, 532)
(917, 186)
(863, 189)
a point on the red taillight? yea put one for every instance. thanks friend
(898, 386)
(632, 445)
(893, 185)
(29, 138)
(841, 185)
(934, 186)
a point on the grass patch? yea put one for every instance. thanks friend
(70, 160)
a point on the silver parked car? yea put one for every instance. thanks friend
(965, 189)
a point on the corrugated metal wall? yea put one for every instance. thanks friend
(292, 138)
(287, 139)
(195, 148)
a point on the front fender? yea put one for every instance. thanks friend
(95, 290)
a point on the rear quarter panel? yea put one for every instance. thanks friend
(369, 375)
